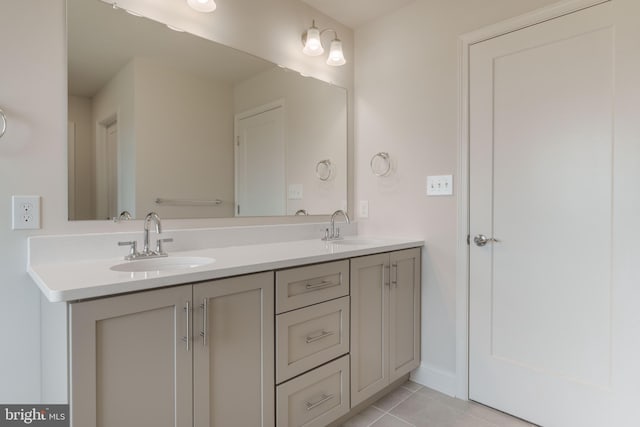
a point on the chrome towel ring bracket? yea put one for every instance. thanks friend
(324, 170)
(381, 164)
(3, 125)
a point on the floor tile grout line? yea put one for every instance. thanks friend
(388, 412)
(384, 412)
(443, 400)
(394, 406)
(377, 419)
(401, 419)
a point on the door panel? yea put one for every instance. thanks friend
(369, 326)
(541, 120)
(234, 369)
(113, 341)
(404, 313)
(260, 164)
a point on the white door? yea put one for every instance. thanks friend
(112, 169)
(71, 166)
(107, 169)
(541, 165)
(260, 162)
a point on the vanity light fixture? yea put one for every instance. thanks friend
(202, 5)
(311, 39)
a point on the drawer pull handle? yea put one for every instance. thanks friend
(322, 335)
(323, 399)
(187, 338)
(394, 275)
(323, 284)
(205, 322)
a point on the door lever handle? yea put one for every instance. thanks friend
(481, 240)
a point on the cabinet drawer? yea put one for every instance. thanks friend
(316, 398)
(299, 287)
(311, 336)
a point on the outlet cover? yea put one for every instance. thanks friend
(26, 212)
(440, 185)
(363, 209)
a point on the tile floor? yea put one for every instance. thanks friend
(418, 406)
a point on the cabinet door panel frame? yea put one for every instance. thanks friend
(378, 268)
(215, 292)
(84, 319)
(405, 271)
(397, 327)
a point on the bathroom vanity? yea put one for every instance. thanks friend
(276, 334)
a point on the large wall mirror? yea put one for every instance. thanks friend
(162, 120)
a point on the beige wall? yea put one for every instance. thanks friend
(406, 77)
(84, 154)
(33, 154)
(191, 118)
(33, 95)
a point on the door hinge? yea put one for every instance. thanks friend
(468, 239)
(238, 141)
(238, 209)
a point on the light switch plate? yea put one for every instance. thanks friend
(25, 212)
(295, 192)
(440, 185)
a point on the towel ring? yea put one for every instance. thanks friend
(324, 170)
(386, 164)
(3, 128)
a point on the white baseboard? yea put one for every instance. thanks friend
(437, 379)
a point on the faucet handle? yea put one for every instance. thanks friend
(133, 251)
(159, 243)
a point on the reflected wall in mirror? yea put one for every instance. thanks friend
(161, 120)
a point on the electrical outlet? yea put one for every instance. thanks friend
(26, 212)
(363, 209)
(440, 185)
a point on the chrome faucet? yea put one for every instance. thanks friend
(334, 233)
(154, 218)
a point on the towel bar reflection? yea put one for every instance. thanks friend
(187, 202)
(3, 127)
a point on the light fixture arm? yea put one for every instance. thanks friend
(313, 25)
(330, 29)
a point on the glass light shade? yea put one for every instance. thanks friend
(336, 57)
(313, 46)
(202, 5)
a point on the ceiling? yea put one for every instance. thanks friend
(354, 13)
(102, 40)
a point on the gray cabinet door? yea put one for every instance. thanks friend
(385, 320)
(233, 359)
(369, 326)
(404, 313)
(129, 363)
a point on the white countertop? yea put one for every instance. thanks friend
(91, 278)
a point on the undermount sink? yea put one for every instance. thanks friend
(162, 264)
